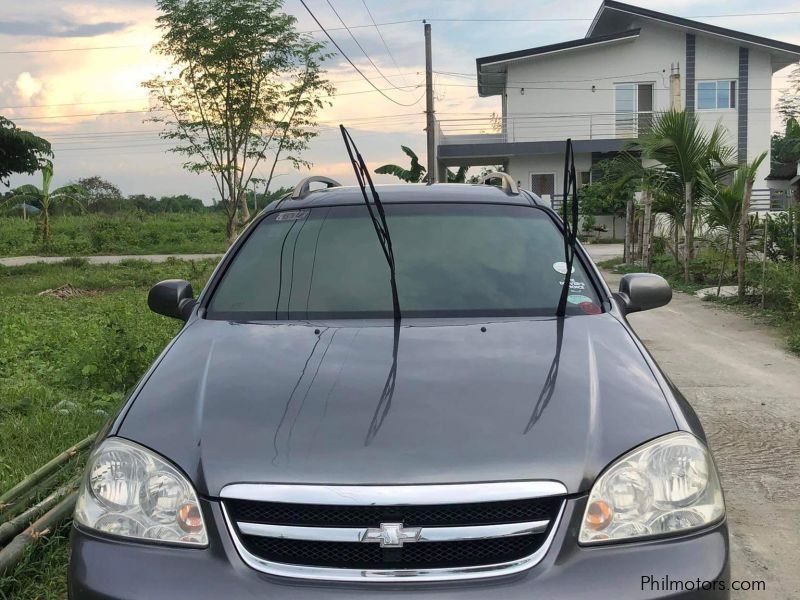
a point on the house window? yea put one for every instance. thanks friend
(633, 108)
(713, 95)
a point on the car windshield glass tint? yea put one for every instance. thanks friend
(452, 260)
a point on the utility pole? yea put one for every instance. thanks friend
(430, 125)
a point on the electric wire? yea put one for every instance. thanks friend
(363, 51)
(352, 64)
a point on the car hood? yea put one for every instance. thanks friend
(368, 403)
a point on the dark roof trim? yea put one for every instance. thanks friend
(587, 41)
(499, 59)
(690, 24)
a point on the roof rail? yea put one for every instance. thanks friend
(302, 189)
(509, 186)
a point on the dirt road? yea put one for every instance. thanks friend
(746, 389)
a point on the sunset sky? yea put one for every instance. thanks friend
(51, 84)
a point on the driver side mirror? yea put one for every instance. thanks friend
(643, 291)
(172, 298)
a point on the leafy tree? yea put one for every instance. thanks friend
(789, 102)
(20, 151)
(416, 174)
(786, 148)
(100, 194)
(610, 191)
(180, 203)
(247, 90)
(684, 152)
(142, 202)
(45, 199)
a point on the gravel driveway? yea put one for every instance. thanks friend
(746, 389)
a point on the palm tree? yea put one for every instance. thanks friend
(684, 151)
(416, 174)
(748, 174)
(722, 213)
(45, 199)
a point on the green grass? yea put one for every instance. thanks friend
(130, 233)
(782, 288)
(65, 366)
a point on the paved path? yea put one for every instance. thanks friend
(746, 389)
(102, 260)
(601, 252)
(598, 252)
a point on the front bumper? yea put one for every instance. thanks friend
(105, 569)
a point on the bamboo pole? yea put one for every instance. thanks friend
(21, 503)
(42, 472)
(14, 526)
(11, 554)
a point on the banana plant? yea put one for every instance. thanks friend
(416, 174)
(45, 199)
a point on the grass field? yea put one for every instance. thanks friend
(65, 365)
(134, 233)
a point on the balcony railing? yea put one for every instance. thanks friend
(762, 200)
(542, 128)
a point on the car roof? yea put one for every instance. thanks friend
(412, 192)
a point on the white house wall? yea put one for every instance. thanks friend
(522, 167)
(558, 113)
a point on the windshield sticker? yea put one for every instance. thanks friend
(590, 308)
(561, 267)
(291, 215)
(577, 286)
(578, 299)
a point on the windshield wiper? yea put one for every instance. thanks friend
(570, 227)
(379, 222)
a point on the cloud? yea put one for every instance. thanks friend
(60, 28)
(27, 85)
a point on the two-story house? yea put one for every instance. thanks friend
(603, 89)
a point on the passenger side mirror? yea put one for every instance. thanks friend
(172, 298)
(643, 291)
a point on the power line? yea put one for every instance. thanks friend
(419, 20)
(352, 64)
(385, 45)
(360, 47)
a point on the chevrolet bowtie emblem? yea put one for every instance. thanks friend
(391, 535)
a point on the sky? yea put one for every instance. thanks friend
(51, 84)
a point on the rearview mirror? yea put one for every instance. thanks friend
(643, 291)
(172, 298)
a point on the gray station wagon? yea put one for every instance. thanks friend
(297, 439)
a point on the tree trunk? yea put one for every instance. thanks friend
(688, 226)
(648, 233)
(742, 254)
(628, 232)
(724, 261)
(675, 238)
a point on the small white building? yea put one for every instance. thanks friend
(603, 89)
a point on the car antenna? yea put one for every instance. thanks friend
(570, 226)
(379, 222)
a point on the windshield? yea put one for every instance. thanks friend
(453, 260)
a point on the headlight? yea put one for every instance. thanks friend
(666, 486)
(131, 492)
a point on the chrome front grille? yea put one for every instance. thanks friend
(357, 533)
